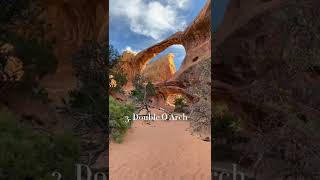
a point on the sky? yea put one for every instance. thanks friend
(219, 7)
(138, 24)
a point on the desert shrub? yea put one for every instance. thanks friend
(225, 125)
(37, 57)
(121, 80)
(118, 123)
(142, 92)
(179, 104)
(82, 101)
(150, 89)
(41, 94)
(138, 81)
(139, 90)
(225, 133)
(137, 94)
(88, 103)
(25, 154)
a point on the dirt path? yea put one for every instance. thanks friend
(163, 150)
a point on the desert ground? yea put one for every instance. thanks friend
(160, 150)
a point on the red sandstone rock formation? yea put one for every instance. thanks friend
(72, 22)
(161, 69)
(196, 40)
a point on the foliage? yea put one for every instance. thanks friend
(121, 80)
(41, 93)
(38, 58)
(138, 92)
(150, 89)
(88, 102)
(179, 104)
(114, 56)
(225, 133)
(225, 125)
(141, 91)
(118, 122)
(27, 155)
(138, 81)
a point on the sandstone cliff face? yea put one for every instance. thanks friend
(161, 69)
(71, 22)
(126, 65)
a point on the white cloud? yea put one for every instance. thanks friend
(151, 18)
(182, 4)
(128, 48)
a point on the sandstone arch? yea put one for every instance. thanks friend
(196, 39)
(143, 57)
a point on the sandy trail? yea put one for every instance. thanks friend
(163, 150)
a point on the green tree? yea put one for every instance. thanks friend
(114, 56)
(118, 122)
(121, 80)
(139, 90)
(179, 104)
(150, 89)
(25, 154)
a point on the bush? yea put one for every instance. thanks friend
(27, 155)
(138, 92)
(118, 123)
(179, 104)
(225, 125)
(150, 89)
(120, 79)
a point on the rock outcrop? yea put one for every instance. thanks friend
(161, 69)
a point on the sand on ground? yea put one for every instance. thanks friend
(163, 150)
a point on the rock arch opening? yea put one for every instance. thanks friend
(165, 64)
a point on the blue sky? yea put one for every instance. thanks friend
(219, 7)
(138, 24)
